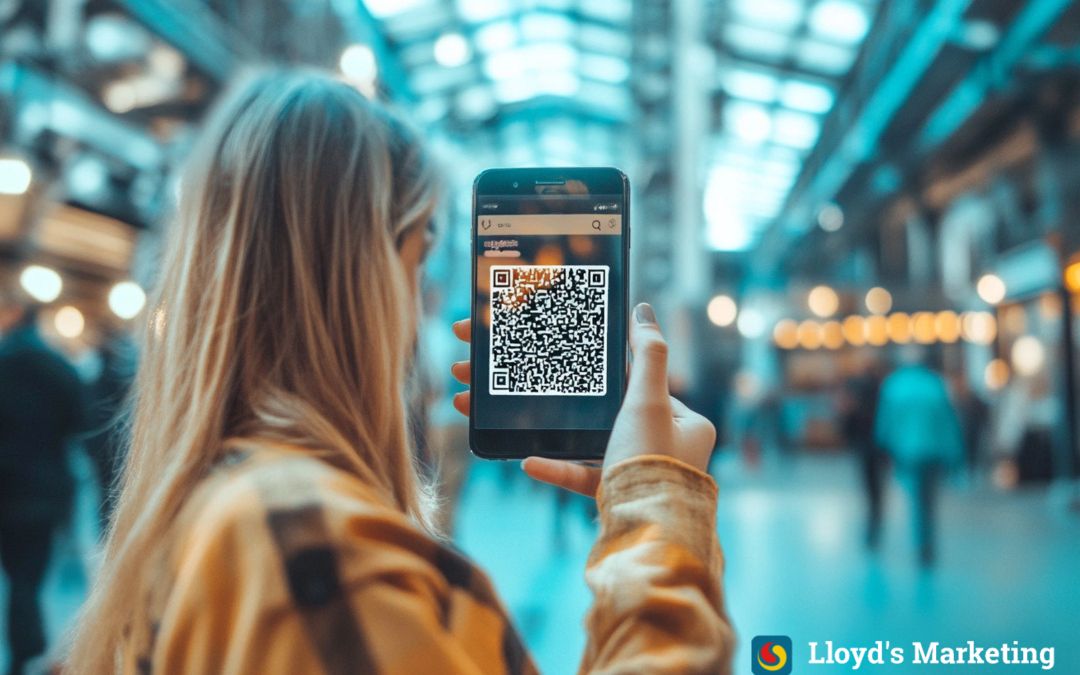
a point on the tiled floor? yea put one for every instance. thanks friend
(1009, 565)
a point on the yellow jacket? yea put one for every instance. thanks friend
(281, 563)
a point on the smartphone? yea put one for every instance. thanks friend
(550, 271)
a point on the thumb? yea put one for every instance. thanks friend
(648, 371)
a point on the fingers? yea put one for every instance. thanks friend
(583, 480)
(463, 330)
(461, 401)
(461, 371)
(648, 371)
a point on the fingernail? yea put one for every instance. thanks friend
(644, 313)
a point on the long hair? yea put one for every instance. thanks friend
(282, 312)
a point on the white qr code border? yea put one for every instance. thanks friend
(493, 372)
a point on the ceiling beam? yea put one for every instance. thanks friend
(208, 42)
(994, 68)
(859, 142)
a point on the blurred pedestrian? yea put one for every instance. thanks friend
(40, 409)
(917, 425)
(974, 415)
(858, 410)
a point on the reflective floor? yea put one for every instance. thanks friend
(1008, 569)
(1009, 564)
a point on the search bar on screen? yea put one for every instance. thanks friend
(553, 223)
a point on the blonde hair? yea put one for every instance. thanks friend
(282, 313)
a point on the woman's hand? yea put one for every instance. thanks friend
(650, 421)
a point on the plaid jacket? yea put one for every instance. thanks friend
(283, 564)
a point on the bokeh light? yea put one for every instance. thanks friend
(877, 331)
(452, 50)
(991, 289)
(855, 330)
(69, 322)
(41, 283)
(823, 301)
(722, 310)
(978, 327)
(810, 334)
(878, 300)
(751, 323)
(947, 326)
(15, 176)
(832, 335)
(899, 328)
(1028, 355)
(786, 334)
(922, 328)
(126, 299)
(996, 374)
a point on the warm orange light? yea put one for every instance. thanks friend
(855, 331)
(877, 330)
(922, 328)
(947, 326)
(832, 335)
(810, 334)
(996, 374)
(899, 328)
(786, 334)
(1072, 277)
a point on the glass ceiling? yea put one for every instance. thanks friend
(782, 66)
(779, 66)
(552, 74)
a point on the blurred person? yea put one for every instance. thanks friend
(107, 394)
(974, 414)
(41, 403)
(858, 410)
(271, 518)
(1025, 419)
(917, 425)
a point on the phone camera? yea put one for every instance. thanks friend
(515, 183)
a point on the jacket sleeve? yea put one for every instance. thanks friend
(337, 586)
(656, 573)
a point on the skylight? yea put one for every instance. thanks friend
(784, 60)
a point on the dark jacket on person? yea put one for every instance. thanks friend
(41, 407)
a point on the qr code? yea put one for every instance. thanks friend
(549, 330)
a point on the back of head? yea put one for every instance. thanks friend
(282, 312)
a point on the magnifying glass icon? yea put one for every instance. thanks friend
(596, 224)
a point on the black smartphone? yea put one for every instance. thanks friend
(550, 277)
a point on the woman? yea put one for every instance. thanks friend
(271, 519)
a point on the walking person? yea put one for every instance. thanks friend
(918, 426)
(858, 410)
(41, 403)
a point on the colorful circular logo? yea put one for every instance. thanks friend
(772, 657)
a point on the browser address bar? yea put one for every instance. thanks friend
(552, 223)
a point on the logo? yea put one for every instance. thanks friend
(771, 655)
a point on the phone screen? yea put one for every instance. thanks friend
(549, 342)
